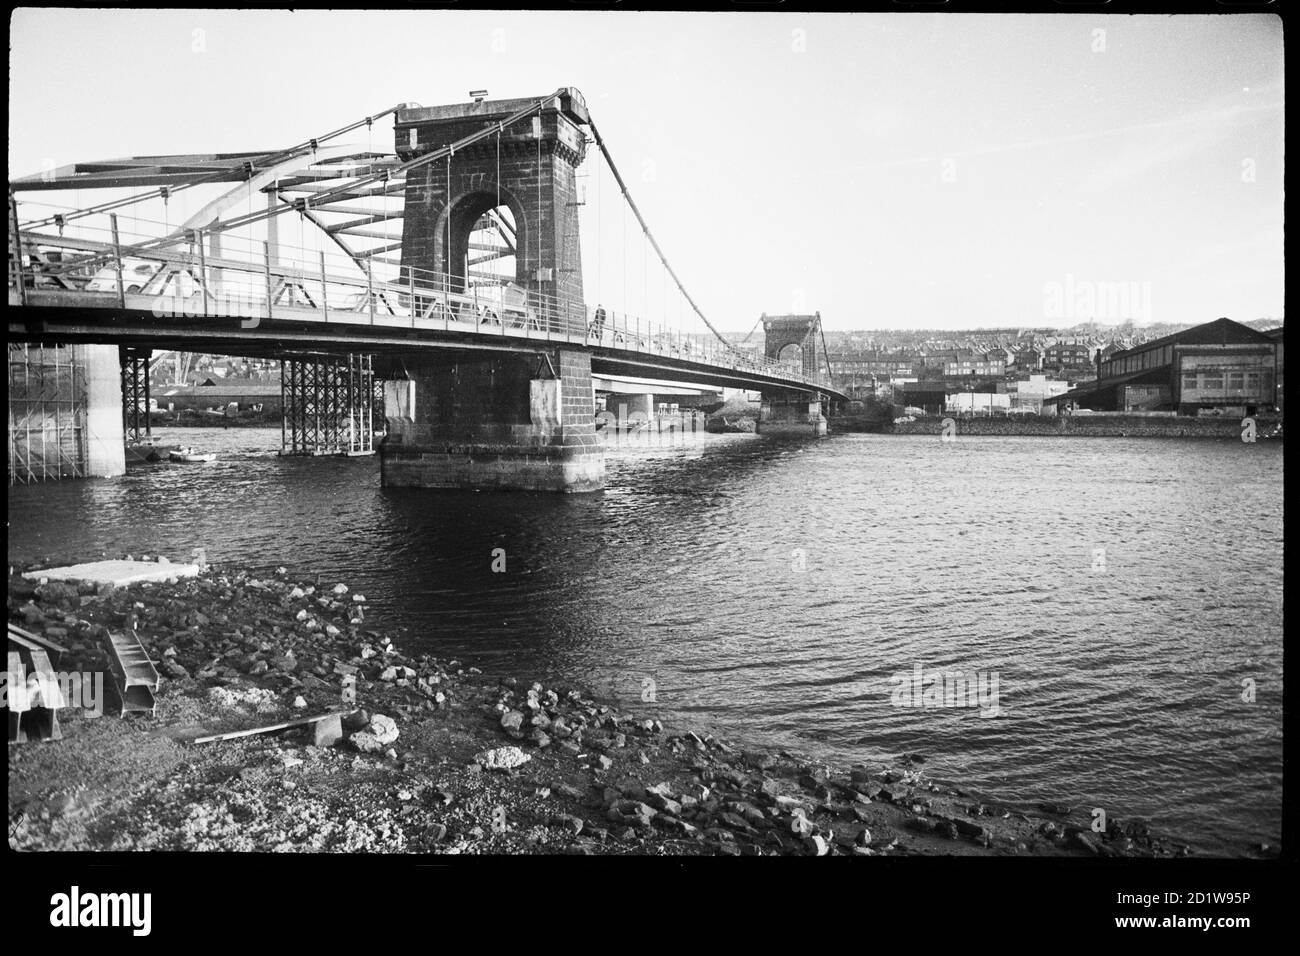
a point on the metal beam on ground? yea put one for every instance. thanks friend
(137, 678)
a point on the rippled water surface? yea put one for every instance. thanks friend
(1119, 686)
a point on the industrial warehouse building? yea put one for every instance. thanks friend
(1221, 367)
(218, 394)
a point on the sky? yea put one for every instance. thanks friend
(886, 170)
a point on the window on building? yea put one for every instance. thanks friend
(1236, 381)
(1212, 381)
(1189, 381)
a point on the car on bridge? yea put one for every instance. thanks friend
(138, 273)
(135, 274)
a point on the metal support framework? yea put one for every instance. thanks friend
(47, 402)
(135, 395)
(329, 405)
(355, 197)
(175, 173)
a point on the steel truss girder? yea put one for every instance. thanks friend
(328, 405)
(135, 394)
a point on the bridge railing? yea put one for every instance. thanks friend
(140, 264)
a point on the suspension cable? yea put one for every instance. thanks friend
(600, 211)
(447, 280)
(649, 235)
(537, 253)
(751, 330)
(623, 245)
(830, 381)
(501, 218)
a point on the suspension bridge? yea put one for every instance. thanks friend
(438, 286)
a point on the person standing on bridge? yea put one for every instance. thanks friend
(598, 322)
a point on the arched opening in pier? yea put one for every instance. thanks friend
(791, 354)
(492, 258)
(487, 242)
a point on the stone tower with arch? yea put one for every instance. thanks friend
(527, 173)
(794, 339)
(481, 418)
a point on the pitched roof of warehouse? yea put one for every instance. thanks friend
(1218, 332)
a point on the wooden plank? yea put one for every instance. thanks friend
(44, 642)
(300, 722)
(22, 642)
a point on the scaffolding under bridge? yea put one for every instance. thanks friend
(136, 401)
(330, 405)
(47, 413)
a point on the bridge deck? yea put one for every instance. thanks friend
(191, 301)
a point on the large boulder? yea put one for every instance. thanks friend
(512, 722)
(502, 758)
(376, 736)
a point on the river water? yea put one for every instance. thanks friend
(1111, 597)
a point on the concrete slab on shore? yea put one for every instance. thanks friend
(117, 573)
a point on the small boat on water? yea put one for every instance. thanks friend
(145, 453)
(188, 455)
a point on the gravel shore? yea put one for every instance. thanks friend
(436, 758)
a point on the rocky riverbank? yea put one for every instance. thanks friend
(190, 418)
(436, 758)
(1093, 426)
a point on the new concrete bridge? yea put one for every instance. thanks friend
(473, 316)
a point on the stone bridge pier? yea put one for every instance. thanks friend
(507, 421)
(792, 413)
(510, 420)
(793, 339)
